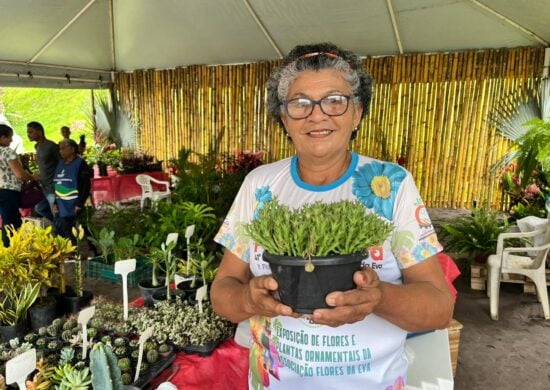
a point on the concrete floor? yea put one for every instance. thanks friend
(509, 354)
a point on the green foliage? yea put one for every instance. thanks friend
(175, 217)
(474, 235)
(67, 377)
(534, 149)
(17, 299)
(317, 229)
(53, 108)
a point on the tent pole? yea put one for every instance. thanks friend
(112, 34)
(262, 27)
(394, 26)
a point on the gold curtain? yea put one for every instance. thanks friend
(430, 110)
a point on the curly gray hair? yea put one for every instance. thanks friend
(316, 57)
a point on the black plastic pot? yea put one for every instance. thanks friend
(43, 312)
(160, 296)
(70, 303)
(102, 167)
(306, 291)
(201, 350)
(8, 332)
(190, 288)
(147, 291)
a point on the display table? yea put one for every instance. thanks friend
(114, 189)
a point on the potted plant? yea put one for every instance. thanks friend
(16, 301)
(169, 263)
(199, 269)
(73, 300)
(475, 235)
(148, 287)
(316, 248)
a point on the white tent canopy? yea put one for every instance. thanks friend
(78, 43)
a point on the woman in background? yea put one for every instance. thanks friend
(11, 175)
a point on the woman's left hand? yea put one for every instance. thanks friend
(353, 305)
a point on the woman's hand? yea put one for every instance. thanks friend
(259, 298)
(353, 305)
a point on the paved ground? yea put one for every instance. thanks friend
(509, 354)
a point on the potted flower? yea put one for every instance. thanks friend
(315, 249)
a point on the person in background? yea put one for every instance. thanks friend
(65, 132)
(82, 144)
(11, 175)
(47, 157)
(17, 141)
(72, 182)
(319, 95)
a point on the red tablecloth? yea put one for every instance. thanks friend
(121, 187)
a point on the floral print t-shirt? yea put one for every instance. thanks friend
(8, 180)
(293, 353)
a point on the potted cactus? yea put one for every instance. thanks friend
(315, 249)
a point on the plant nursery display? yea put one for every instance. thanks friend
(309, 250)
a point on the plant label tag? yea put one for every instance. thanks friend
(83, 318)
(142, 339)
(18, 368)
(201, 295)
(189, 232)
(172, 238)
(123, 268)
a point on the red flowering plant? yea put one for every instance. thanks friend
(528, 199)
(244, 161)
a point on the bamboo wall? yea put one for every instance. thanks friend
(429, 108)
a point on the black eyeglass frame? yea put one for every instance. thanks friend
(317, 102)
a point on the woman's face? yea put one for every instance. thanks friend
(66, 151)
(320, 135)
(5, 140)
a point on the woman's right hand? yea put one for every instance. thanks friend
(259, 298)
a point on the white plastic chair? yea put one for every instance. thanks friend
(147, 192)
(529, 261)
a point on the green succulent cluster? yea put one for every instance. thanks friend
(317, 229)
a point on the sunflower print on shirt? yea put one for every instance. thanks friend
(376, 184)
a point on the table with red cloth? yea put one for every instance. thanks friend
(123, 187)
(227, 367)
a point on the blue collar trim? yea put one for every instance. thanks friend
(325, 187)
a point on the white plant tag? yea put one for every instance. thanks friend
(83, 318)
(189, 232)
(142, 339)
(172, 237)
(18, 368)
(123, 268)
(200, 295)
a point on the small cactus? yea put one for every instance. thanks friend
(42, 331)
(119, 342)
(67, 335)
(53, 330)
(106, 339)
(53, 345)
(134, 343)
(135, 354)
(104, 367)
(70, 324)
(41, 342)
(149, 345)
(120, 351)
(152, 356)
(127, 379)
(30, 338)
(144, 367)
(124, 364)
(164, 348)
(92, 332)
(58, 322)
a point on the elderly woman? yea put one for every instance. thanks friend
(72, 182)
(11, 174)
(320, 95)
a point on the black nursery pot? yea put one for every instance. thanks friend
(306, 291)
(70, 303)
(160, 296)
(43, 312)
(190, 292)
(8, 332)
(147, 291)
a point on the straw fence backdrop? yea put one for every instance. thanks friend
(428, 110)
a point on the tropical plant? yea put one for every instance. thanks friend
(317, 229)
(114, 122)
(17, 299)
(475, 235)
(105, 242)
(67, 377)
(78, 234)
(199, 263)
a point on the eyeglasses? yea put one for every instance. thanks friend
(332, 105)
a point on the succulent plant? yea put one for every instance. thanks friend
(144, 367)
(53, 330)
(80, 364)
(53, 345)
(96, 323)
(70, 324)
(149, 346)
(152, 356)
(124, 364)
(67, 377)
(66, 356)
(120, 351)
(134, 343)
(30, 337)
(119, 342)
(104, 366)
(106, 339)
(41, 342)
(42, 331)
(92, 332)
(135, 354)
(127, 378)
(66, 335)
(164, 348)
(58, 322)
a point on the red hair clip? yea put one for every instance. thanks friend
(320, 53)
